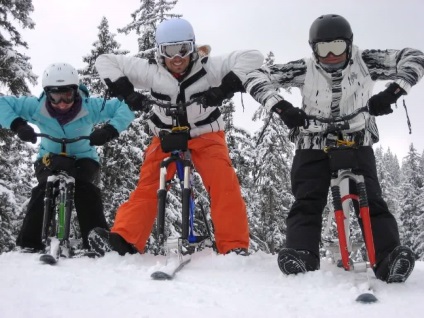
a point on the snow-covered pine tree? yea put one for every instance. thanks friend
(106, 43)
(271, 176)
(16, 177)
(411, 193)
(15, 67)
(418, 243)
(391, 187)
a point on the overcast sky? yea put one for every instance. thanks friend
(66, 30)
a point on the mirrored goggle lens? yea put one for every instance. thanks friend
(181, 49)
(66, 97)
(337, 47)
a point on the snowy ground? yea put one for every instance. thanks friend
(210, 286)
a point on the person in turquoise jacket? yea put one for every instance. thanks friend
(64, 110)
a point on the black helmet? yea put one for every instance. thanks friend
(330, 27)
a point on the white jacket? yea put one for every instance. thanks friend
(338, 93)
(205, 73)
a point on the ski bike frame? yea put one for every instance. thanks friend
(342, 154)
(58, 201)
(175, 142)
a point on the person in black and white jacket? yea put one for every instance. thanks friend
(338, 79)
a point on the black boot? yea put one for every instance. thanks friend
(293, 261)
(102, 241)
(397, 266)
(239, 251)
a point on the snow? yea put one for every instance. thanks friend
(210, 285)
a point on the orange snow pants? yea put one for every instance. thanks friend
(135, 218)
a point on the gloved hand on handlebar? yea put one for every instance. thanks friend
(24, 131)
(103, 135)
(290, 115)
(123, 89)
(379, 104)
(230, 84)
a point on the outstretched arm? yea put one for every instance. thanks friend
(404, 67)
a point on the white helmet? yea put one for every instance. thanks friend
(174, 30)
(60, 74)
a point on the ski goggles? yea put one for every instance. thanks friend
(337, 47)
(65, 96)
(181, 49)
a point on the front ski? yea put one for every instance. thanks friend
(169, 272)
(48, 259)
(367, 294)
(366, 298)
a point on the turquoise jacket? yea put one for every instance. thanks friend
(33, 110)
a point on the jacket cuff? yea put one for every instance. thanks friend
(404, 85)
(272, 101)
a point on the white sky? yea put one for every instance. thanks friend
(66, 30)
(211, 286)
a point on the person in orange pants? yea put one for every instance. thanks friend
(182, 71)
(135, 218)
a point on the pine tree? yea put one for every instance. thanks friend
(388, 172)
(106, 43)
(418, 243)
(16, 177)
(15, 67)
(271, 177)
(411, 192)
(145, 20)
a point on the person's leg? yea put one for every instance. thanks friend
(394, 262)
(135, 217)
(310, 177)
(30, 234)
(228, 211)
(31, 230)
(87, 198)
(383, 223)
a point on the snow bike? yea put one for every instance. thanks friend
(58, 201)
(342, 155)
(175, 142)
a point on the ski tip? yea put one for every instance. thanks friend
(161, 276)
(366, 298)
(48, 259)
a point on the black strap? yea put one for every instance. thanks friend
(210, 119)
(160, 96)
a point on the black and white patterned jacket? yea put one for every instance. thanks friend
(339, 93)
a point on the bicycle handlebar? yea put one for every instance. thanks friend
(63, 141)
(334, 124)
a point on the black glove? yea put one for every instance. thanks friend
(230, 84)
(123, 89)
(136, 101)
(290, 115)
(103, 135)
(379, 104)
(24, 131)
